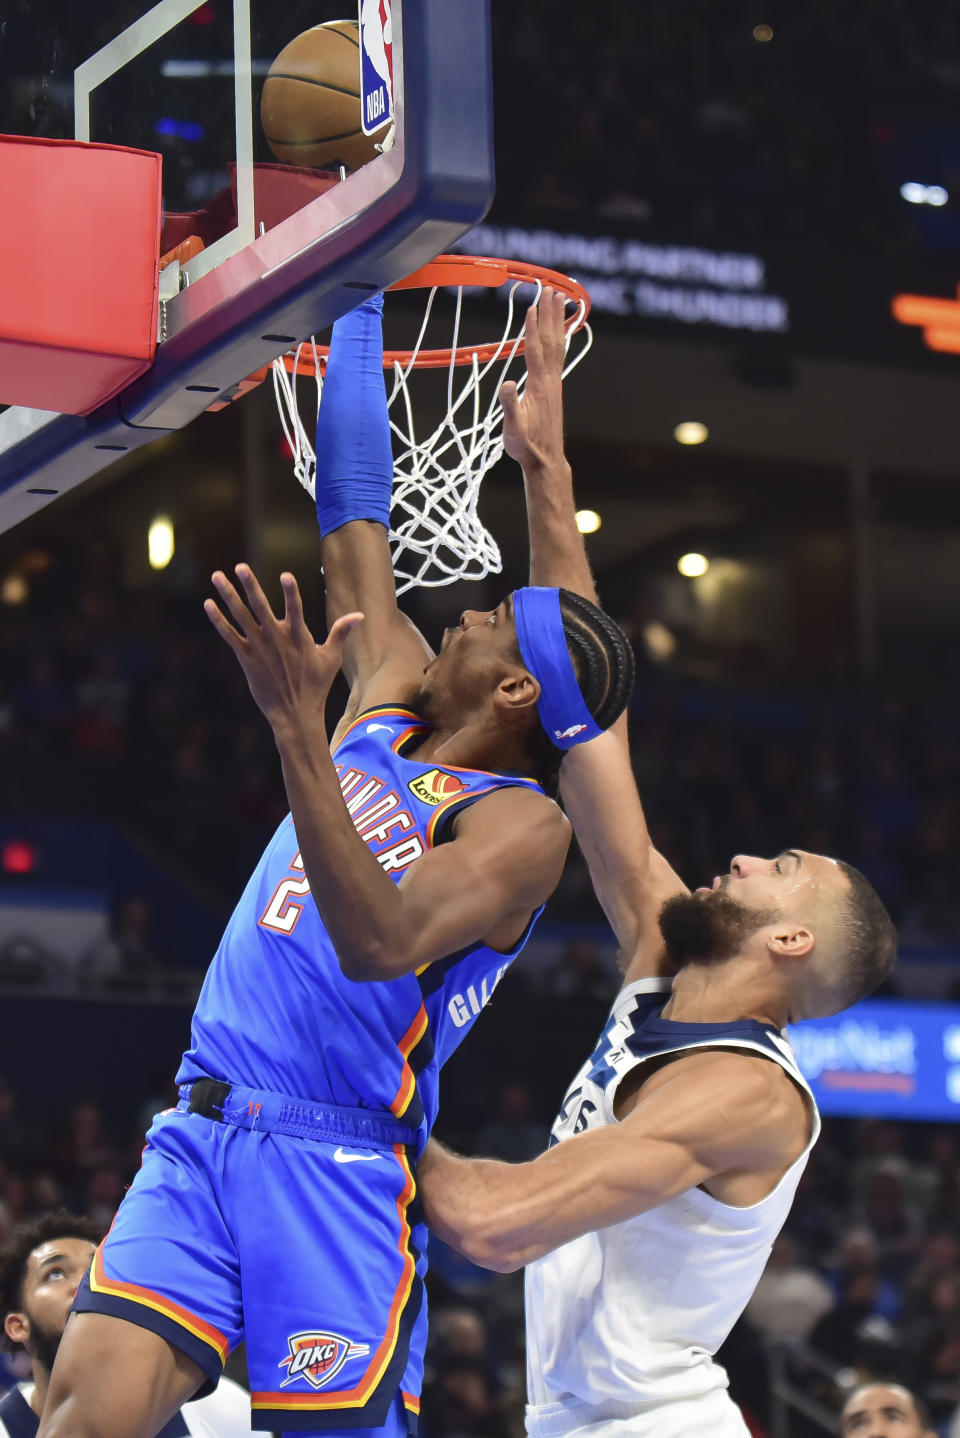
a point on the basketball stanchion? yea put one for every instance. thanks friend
(436, 535)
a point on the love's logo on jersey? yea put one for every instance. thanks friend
(318, 1357)
(436, 786)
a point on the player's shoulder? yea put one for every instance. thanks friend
(514, 810)
(749, 1092)
(733, 1108)
(746, 1085)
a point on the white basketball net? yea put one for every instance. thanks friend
(436, 535)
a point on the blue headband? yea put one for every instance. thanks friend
(543, 647)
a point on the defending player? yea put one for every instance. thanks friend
(40, 1268)
(278, 1201)
(884, 1410)
(680, 1143)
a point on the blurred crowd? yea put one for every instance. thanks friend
(769, 126)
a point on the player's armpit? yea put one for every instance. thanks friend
(710, 1115)
(481, 887)
(387, 650)
(631, 880)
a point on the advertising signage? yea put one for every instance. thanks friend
(884, 1058)
(680, 284)
(829, 303)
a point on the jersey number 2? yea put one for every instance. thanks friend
(281, 914)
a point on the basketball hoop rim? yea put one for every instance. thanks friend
(448, 271)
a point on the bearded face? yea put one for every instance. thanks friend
(44, 1342)
(708, 928)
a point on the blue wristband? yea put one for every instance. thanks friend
(354, 453)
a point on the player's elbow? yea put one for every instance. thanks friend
(489, 1246)
(493, 1253)
(372, 963)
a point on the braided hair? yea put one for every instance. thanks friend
(604, 667)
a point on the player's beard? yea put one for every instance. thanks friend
(44, 1344)
(708, 930)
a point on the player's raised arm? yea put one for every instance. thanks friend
(482, 886)
(630, 878)
(729, 1122)
(385, 655)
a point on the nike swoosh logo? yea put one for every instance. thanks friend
(372, 728)
(341, 1156)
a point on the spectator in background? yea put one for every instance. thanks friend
(462, 1403)
(513, 1134)
(855, 1321)
(582, 973)
(939, 1259)
(86, 1144)
(884, 1410)
(39, 1271)
(857, 1250)
(128, 952)
(894, 1223)
(790, 1297)
(11, 1132)
(933, 1342)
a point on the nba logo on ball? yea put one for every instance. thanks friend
(376, 64)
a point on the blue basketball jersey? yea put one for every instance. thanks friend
(275, 1011)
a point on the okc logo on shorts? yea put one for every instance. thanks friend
(435, 786)
(318, 1357)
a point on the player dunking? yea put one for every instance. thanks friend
(680, 1143)
(278, 1201)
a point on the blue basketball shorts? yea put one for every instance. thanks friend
(307, 1248)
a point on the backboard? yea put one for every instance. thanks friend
(274, 251)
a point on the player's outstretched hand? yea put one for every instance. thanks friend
(533, 424)
(288, 672)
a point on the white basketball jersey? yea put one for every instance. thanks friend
(627, 1319)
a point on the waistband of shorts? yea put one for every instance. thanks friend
(263, 1110)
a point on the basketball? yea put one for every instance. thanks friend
(310, 106)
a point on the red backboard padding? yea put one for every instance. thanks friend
(79, 241)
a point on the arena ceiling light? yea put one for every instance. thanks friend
(588, 521)
(691, 566)
(160, 542)
(691, 431)
(917, 194)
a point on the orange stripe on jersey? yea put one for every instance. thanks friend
(406, 1046)
(385, 712)
(411, 1401)
(100, 1283)
(356, 1397)
(401, 739)
(457, 799)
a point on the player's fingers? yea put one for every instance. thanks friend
(256, 598)
(224, 628)
(341, 628)
(229, 597)
(293, 607)
(554, 307)
(531, 338)
(510, 402)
